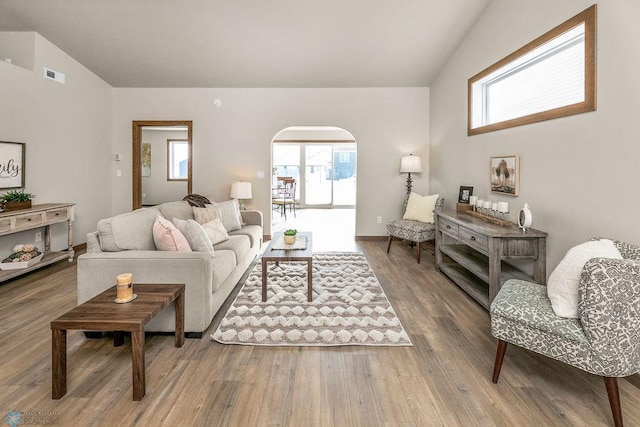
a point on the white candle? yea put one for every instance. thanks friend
(494, 206)
(473, 200)
(479, 203)
(487, 204)
(503, 207)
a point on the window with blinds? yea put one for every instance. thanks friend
(551, 77)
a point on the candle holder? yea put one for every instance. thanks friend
(124, 289)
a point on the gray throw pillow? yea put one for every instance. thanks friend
(195, 234)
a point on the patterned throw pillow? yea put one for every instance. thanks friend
(206, 214)
(195, 234)
(420, 208)
(216, 231)
(167, 237)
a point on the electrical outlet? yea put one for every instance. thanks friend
(379, 220)
(38, 236)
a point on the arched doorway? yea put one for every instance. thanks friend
(323, 161)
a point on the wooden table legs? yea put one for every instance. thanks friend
(58, 363)
(309, 280)
(137, 364)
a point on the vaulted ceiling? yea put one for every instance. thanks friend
(252, 43)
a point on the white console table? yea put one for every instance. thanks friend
(38, 216)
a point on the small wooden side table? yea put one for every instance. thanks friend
(101, 313)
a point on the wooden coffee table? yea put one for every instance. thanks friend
(278, 255)
(100, 313)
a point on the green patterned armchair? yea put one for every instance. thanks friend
(604, 341)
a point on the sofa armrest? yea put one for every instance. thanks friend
(97, 272)
(252, 217)
(609, 307)
(93, 242)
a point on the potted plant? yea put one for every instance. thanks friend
(290, 236)
(14, 200)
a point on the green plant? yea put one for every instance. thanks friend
(16, 196)
(290, 232)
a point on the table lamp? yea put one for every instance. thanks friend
(241, 191)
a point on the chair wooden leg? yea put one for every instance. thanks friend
(502, 348)
(419, 252)
(389, 243)
(614, 400)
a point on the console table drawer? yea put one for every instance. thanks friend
(29, 221)
(5, 224)
(474, 239)
(451, 228)
(57, 215)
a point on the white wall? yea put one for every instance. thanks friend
(233, 142)
(579, 173)
(67, 131)
(155, 188)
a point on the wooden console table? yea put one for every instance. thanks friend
(477, 249)
(38, 216)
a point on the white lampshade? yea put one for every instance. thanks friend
(241, 190)
(410, 164)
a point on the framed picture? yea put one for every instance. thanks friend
(12, 164)
(505, 175)
(146, 159)
(464, 194)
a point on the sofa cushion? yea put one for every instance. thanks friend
(206, 214)
(240, 245)
(167, 237)
(181, 210)
(253, 231)
(128, 231)
(222, 266)
(195, 234)
(216, 231)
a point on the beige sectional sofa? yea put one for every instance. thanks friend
(124, 244)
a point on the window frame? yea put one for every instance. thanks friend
(589, 18)
(170, 157)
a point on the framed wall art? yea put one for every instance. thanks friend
(12, 156)
(505, 175)
(146, 159)
(464, 194)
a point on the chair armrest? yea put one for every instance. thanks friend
(609, 307)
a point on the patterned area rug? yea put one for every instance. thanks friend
(349, 306)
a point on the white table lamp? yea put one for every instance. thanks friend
(241, 191)
(410, 164)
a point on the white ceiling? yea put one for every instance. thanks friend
(252, 43)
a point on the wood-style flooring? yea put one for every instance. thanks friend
(443, 380)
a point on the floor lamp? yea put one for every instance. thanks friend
(410, 164)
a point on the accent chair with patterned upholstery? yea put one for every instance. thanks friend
(604, 340)
(412, 230)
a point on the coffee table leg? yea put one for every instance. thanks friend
(180, 320)
(264, 280)
(137, 364)
(118, 338)
(58, 363)
(310, 290)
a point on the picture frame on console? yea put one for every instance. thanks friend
(464, 194)
(504, 173)
(12, 159)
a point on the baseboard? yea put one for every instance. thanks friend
(371, 238)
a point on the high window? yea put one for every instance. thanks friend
(551, 77)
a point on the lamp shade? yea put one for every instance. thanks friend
(241, 190)
(410, 164)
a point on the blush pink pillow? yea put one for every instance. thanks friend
(167, 237)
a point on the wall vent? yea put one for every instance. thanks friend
(54, 75)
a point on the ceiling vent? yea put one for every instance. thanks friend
(53, 75)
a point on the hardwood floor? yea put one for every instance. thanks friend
(443, 380)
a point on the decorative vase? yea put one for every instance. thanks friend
(289, 240)
(16, 206)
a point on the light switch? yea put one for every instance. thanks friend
(260, 175)
(118, 173)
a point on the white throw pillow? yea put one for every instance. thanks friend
(195, 234)
(216, 231)
(420, 208)
(562, 288)
(229, 214)
(205, 215)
